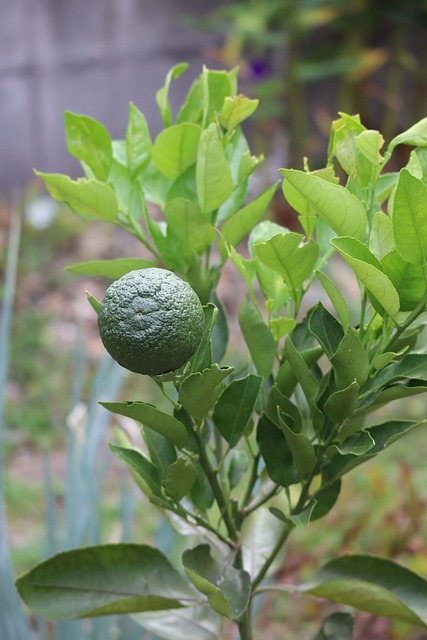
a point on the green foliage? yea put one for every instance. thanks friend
(231, 449)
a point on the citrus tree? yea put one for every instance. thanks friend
(261, 446)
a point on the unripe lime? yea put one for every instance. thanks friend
(150, 321)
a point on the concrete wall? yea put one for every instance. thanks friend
(87, 56)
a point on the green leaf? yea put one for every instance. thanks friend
(395, 392)
(170, 253)
(162, 95)
(220, 332)
(408, 279)
(383, 435)
(89, 141)
(341, 404)
(138, 141)
(94, 303)
(415, 136)
(300, 520)
(275, 400)
(376, 585)
(89, 198)
(303, 374)
(410, 218)
(202, 359)
(337, 299)
(103, 580)
(235, 147)
(286, 379)
(188, 227)
(357, 444)
(412, 366)
(290, 256)
(175, 149)
(307, 214)
(370, 142)
(213, 175)
(326, 329)
(143, 471)
(334, 204)
(350, 361)
(282, 327)
(128, 191)
(192, 623)
(151, 417)
(247, 166)
(303, 452)
(238, 464)
(241, 223)
(326, 498)
(234, 202)
(192, 107)
(161, 450)
(227, 589)
(347, 148)
(235, 110)
(384, 186)
(217, 85)
(234, 407)
(258, 337)
(369, 271)
(246, 268)
(381, 240)
(276, 453)
(337, 626)
(200, 390)
(113, 269)
(260, 534)
(417, 163)
(156, 186)
(179, 479)
(383, 359)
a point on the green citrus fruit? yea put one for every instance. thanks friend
(150, 321)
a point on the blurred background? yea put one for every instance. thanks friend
(306, 60)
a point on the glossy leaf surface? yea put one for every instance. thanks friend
(340, 209)
(373, 584)
(235, 406)
(89, 141)
(150, 416)
(226, 588)
(258, 337)
(200, 390)
(103, 580)
(89, 198)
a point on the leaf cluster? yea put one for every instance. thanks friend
(264, 446)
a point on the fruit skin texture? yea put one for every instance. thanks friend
(150, 321)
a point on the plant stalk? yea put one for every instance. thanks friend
(288, 528)
(216, 488)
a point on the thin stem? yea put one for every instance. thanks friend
(245, 624)
(252, 481)
(262, 500)
(136, 231)
(409, 320)
(216, 488)
(362, 315)
(288, 528)
(183, 513)
(322, 262)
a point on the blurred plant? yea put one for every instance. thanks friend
(308, 60)
(77, 518)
